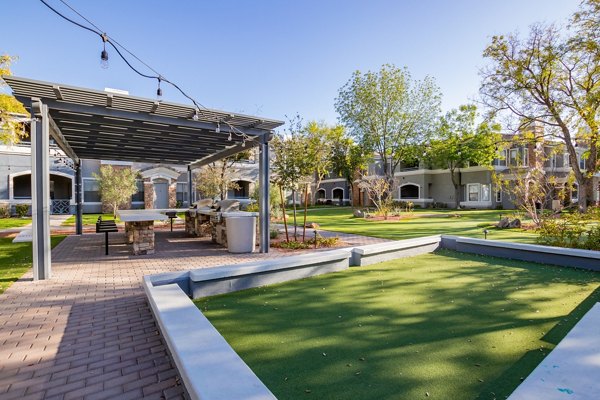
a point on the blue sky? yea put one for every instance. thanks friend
(272, 58)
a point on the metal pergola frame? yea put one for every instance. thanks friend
(93, 124)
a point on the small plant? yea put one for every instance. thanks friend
(252, 207)
(178, 204)
(324, 242)
(592, 240)
(4, 212)
(22, 210)
(410, 206)
(273, 234)
(292, 245)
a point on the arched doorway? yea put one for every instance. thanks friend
(320, 199)
(409, 191)
(338, 195)
(61, 190)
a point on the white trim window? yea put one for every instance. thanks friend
(478, 192)
(575, 192)
(486, 193)
(500, 161)
(581, 162)
(473, 192)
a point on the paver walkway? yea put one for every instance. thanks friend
(88, 332)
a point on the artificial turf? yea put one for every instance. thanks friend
(438, 326)
(15, 259)
(421, 222)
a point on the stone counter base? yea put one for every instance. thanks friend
(141, 235)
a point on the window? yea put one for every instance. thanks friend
(485, 193)
(566, 160)
(501, 160)
(513, 157)
(139, 196)
(91, 191)
(498, 196)
(473, 192)
(581, 162)
(181, 191)
(575, 192)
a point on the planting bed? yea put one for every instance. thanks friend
(445, 325)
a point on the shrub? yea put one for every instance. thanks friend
(22, 210)
(252, 207)
(592, 240)
(324, 242)
(292, 245)
(273, 234)
(4, 212)
(178, 204)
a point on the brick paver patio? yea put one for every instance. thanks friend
(88, 332)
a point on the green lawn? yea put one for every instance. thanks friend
(15, 259)
(88, 219)
(6, 223)
(438, 326)
(470, 223)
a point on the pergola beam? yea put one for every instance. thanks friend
(103, 111)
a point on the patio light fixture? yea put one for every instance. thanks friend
(104, 53)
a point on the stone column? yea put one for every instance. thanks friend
(148, 195)
(143, 237)
(173, 194)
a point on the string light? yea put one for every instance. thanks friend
(104, 63)
(104, 53)
(229, 138)
(159, 90)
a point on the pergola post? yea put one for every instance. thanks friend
(78, 193)
(190, 184)
(40, 190)
(263, 196)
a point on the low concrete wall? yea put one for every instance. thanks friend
(586, 259)
(572, 369)
(230, 278)
(375, 253)
(209, 367)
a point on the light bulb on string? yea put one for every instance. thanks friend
(196, 117)
(218, 129)
(159, 90)
(104, 53)
(229, 138)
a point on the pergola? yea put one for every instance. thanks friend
(94, 124)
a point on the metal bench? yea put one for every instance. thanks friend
(106, 227)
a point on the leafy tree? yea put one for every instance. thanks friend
(320, 138)
(527, 181)
(552, 79)
(461, 141)
(291, 167)
(11, 127)
(217, 178)
(389, 113)
(116, 185)
(348, 159)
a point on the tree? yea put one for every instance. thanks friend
(527, 181)
(320, 138)
(348, 159)
(461, 142)
(378, 188)
(217, 178)
(291, 167)
(116, 185)
(389, 113)
(11, 126)
(552, 80)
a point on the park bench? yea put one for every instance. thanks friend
(106, 226)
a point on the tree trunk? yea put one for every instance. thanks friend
(294, 208)
(305, 211)
(287, 237)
